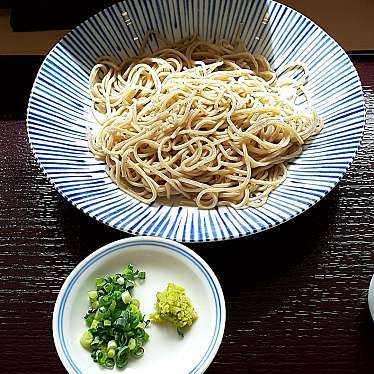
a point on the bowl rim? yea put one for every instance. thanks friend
(178, 249)
(370, 297)
(216, 237)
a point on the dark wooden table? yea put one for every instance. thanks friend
(296, 295)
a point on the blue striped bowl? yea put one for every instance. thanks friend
(59, 111)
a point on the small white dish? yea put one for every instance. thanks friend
(163, 261)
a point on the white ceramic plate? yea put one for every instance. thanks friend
(163, 261)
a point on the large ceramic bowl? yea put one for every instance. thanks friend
(59, 112)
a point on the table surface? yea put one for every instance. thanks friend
(40, 15)
(296, 295)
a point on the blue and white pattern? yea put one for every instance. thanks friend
(59, 112)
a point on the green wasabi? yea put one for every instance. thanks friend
(175, 307)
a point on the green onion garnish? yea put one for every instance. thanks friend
(116, 327)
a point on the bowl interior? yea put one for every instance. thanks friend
(60, 110)
(165, 352)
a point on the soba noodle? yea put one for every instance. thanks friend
(206, 122)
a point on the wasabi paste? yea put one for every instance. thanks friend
(175, 307)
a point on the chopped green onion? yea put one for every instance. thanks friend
(95, 305)
(108, 288)
(111, 353)
(135, 302)
(126, 297)
(116, 325)
(112, 306)
(141, 325)
(100, 282)
(89, 317)
(132, 344)
(139, 352)
(122, 357)
(100, 314)
(86, 340)
(96, 342)
(109, 362)
(92, 295)
(112, 344)
(141, 275)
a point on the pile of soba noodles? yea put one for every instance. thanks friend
(207, 123)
